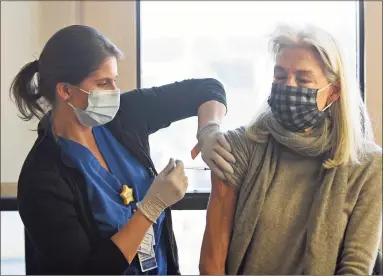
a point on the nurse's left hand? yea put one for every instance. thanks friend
(215, 150)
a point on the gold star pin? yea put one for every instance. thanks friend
(127, 195)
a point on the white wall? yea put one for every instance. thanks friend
(55, 15)
(19, 44)
(374, 65)
(25, 28)
(119, 24)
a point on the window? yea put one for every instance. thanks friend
(189, 226)
(12, 244)
(228, 41)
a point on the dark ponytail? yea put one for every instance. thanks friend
(69, 56)
(24, 90)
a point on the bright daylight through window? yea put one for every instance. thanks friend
(227, 41)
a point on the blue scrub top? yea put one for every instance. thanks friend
(104, 189)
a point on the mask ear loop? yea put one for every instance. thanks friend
(71, 105)
(322, 89)
(82, 90)
(328, 106)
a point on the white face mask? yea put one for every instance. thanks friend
(102, 107)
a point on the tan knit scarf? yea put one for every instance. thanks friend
(324, 232)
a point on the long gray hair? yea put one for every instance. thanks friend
(350, 127)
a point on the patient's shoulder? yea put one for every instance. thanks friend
(372, 151)
(372, 157)
(370, 154)
(242, 149)
(238, 140)
(238, 133)
(370, 163)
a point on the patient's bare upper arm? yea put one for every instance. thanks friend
(221, 205)
(220, 212)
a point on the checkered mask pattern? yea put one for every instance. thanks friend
(295, 107)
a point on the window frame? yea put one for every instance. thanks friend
(361, 48)
(198, 200)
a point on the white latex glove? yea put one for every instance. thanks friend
(215, 150)
(168, 188)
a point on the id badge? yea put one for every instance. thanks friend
(146, 246)
(147, 262)
(146, 252)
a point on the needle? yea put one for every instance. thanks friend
(197, 168)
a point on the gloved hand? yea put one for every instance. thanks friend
(215, 150)
(168, 188)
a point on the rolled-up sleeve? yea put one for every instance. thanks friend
(157, 107)
(240, 148)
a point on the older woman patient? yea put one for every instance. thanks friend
(306, 195)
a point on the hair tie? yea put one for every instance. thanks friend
(36, 64)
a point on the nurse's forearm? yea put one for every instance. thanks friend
(210, 111)
(220, 213)
(129, 238)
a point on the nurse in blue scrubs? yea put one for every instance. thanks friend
(89, 195)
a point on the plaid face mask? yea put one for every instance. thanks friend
(295, 108)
